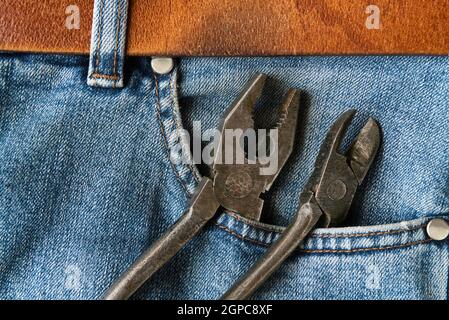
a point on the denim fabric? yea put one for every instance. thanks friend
(409, 97)
(86, 181)
(107, 47)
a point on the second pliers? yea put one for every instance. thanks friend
(324, 202)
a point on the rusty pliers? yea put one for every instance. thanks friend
(235, 186)
(325, 200)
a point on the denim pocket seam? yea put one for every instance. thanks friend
(164, 134)
(367, 234)
(397, 235)
(398, 246)
(169, 126)
(178, 124)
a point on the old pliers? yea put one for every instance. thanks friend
(235, 186)
(325, 200)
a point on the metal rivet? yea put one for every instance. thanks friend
(162, 65)
(438, 229)
(239, 184)
(336, 190)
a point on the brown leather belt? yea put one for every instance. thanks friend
(237, 27)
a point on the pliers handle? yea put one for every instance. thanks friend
(203, 208)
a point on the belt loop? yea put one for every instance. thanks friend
(107, 46)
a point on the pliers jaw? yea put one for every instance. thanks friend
(238, 186)
(336, 177)
(286, 130)
(239, 115)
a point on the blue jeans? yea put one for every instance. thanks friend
(86, 181)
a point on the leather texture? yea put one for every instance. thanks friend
(236, 27)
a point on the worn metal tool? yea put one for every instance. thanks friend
(235, 186)
(325, 200)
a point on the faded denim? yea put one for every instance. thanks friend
(86, 182)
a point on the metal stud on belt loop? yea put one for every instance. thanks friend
(162, 65)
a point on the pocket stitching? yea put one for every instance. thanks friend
(367, 234)
(164, 134)
(398, 246)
